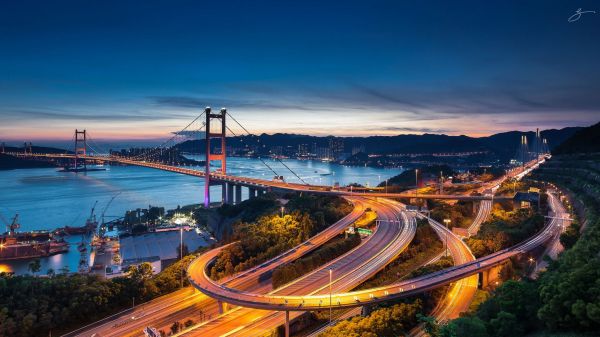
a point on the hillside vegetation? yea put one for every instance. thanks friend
(564, 300)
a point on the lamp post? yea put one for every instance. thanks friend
(386, 182)
(416, 183)
(446, 221)
(532, 260)
(282, 211)
(330, 292)
(181, 253)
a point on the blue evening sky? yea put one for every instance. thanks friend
(139, 69)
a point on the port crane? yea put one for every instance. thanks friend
(102, 229)
(11, 226)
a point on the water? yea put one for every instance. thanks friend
(48, 199)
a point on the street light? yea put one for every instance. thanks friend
(330, 292)
(446, 221)
(181, 252)
(416, 183)
(282, 211)
(532, 260)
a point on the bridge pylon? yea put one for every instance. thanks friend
(222, 157)
(80, 147)
(26, 147)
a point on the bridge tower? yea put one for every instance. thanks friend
(523, 151)
(221, 134)
(26, 147)
(80, 147)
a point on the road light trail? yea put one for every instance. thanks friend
(351, 269)
(186, 303)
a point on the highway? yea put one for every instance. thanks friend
(398, 290)
(181, 305)
(187, 303)
(392, 236)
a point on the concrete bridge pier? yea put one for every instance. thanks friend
(251, 192)
(489, 277)
(222, 307)
(223, 193)
(229, 199)
(238, 194)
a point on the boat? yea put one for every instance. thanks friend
(14, 247)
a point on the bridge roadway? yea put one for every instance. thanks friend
(320, 301)
(392, 236)
(260, 183)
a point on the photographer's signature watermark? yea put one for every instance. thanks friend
(578, 13)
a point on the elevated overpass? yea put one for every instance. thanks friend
(359, 298)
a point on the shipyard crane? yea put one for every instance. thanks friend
(11, 225)
(102, 228)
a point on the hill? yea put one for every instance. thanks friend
(586, 140)
(503, 145)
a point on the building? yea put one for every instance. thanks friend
(336, 147)
(303, 150)
(323, 153)
(358, 149)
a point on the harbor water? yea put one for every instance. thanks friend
(48, 199)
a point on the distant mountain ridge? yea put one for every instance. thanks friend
(586, 140)
(502, 144)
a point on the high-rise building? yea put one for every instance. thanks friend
(303, 150)
(358, 149)
(336, 146)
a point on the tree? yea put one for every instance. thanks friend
(188, 323)
(50, 272)
(464, 326)
(141, 272)
(430, 325)
(34, 266)
(506, 325)
(175, 327)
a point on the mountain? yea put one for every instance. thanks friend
(503, 145)
(586, 140)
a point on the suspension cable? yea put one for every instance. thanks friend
(259, 158)
(250, 134)
(176, 134)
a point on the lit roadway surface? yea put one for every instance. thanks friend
(317, 301)
(187, 303)
(391, 237)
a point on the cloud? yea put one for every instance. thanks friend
(199, 102)
(413, 129)
(56, 114)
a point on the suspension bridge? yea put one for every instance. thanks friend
(212, 125)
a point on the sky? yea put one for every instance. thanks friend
(136, 70)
